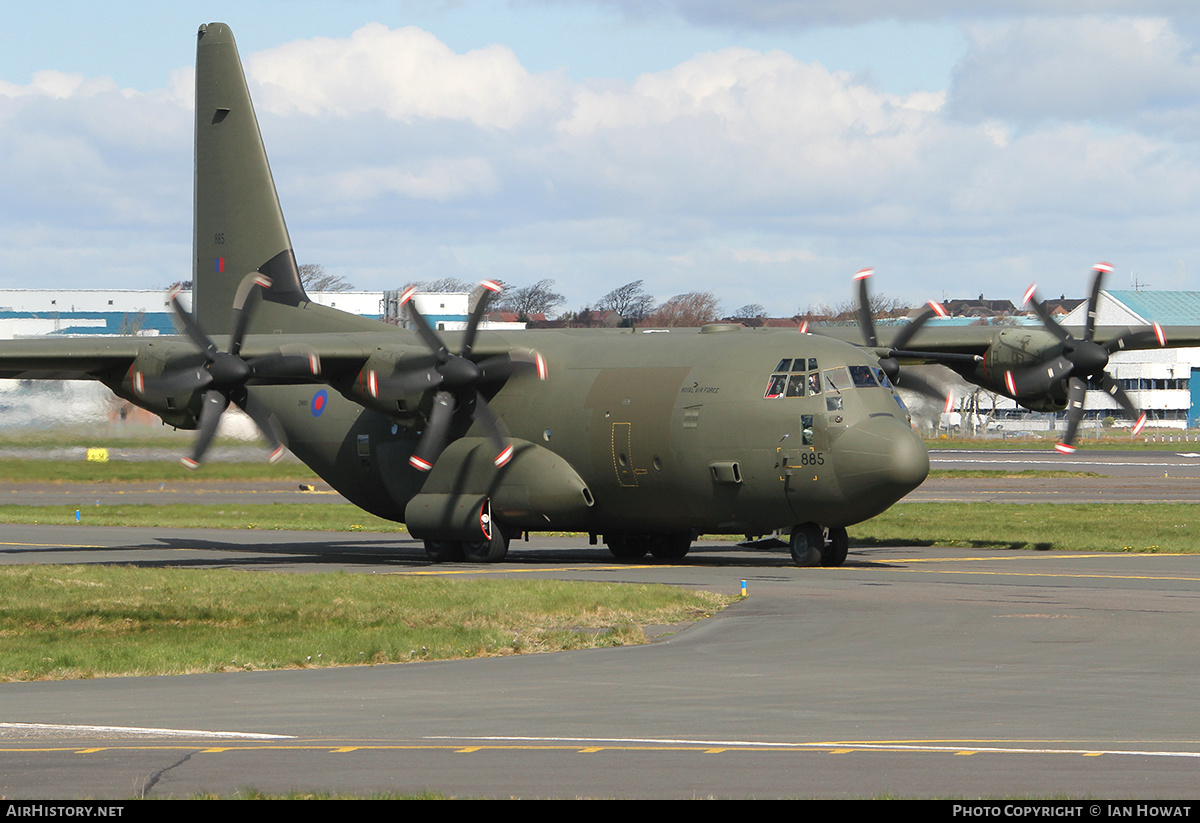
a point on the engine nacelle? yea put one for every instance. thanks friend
(537, 489)
(154, 359)
(363, 389)
(1016, 348)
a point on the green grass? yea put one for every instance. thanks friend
(271, 516)
(21, 470)
(1114, 442)
(1119, 527)
(1002, 474)
(1103, 527)
(62, 622)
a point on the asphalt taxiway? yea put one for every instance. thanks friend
(907, 672)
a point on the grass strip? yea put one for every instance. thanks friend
(1004, 474)
(22, 470)
(1100, 527)
(66, 622)
(1113, 443)
(339, 517)
(1144, 527)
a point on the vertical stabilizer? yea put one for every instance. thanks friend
(239, 226)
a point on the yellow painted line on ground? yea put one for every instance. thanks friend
(918, 747)
(1029, 556)
(534, 570)
(56, 546)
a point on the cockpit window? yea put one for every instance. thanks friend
(862, 377)
(795, 386)
(836, 379)
(882, 377)
(784, 365)
(776, 385)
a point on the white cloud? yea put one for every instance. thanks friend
(814, 13)
(1107, 69)
(405, 74)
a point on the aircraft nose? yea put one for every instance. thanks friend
(882, 457)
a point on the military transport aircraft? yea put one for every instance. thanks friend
(644, 437)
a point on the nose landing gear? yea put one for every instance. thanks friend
(810, 547)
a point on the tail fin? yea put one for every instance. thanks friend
(239, 226)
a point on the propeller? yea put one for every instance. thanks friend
(889, 362)
(224, 374)
(456, 381)
(1080, 359)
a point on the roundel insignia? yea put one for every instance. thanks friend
(319, 401)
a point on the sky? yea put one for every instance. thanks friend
(763, 150)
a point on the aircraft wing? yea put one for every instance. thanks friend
(67, 358)
(977, 340)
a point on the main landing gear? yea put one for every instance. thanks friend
(637, 546)
(810, 547)
(490, 550)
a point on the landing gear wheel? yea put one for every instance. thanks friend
(491, 550)
(806, 543)
(626, 546)
(670, 546)
(837, 547)
(444, 551)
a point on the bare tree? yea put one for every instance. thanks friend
(539, 298)
(313, 277)
(691, 309)
(630, 301)
(751, 311)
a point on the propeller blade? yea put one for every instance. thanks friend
(1138, 339)
(241, 314)
(487, 419)
(490, 289)
(267, 424)
(865, 321)
(1114, 390)
(191, 328)
(913, 326)
(910, 381)
(423, 329)
(1089, 329)
(1076, 391)
(212, 407)
(433, 439)
(1048, 320)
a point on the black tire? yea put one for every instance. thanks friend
(444, 551)
(837, 548)
(626, 546)
(806, 544)
(488, 551)
(670, 546)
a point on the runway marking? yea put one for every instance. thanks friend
(57, 727)
(55, 546)
(841, 747)
(533, 570)
(697, 747)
